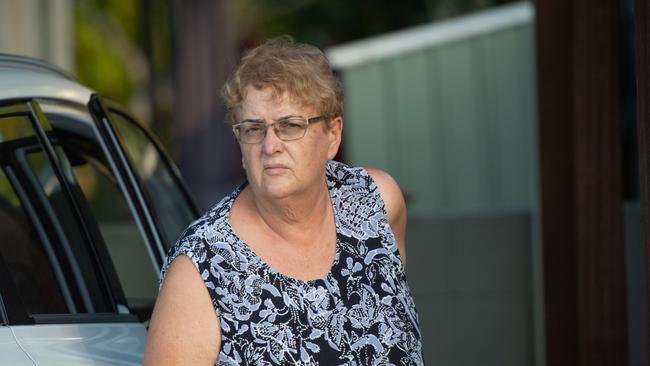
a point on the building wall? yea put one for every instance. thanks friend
(453, 123)
(470, 277)
(38, 28)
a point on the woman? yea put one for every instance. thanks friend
(300, 264)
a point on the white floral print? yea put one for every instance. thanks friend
(360, 313)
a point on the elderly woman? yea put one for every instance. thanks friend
(304, 262)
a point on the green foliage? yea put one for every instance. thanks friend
(125, 13)
(98, 66)
(328, 22)
(161, 38)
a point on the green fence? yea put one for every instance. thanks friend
(452, 119)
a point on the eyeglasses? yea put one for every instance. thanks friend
(287, 129)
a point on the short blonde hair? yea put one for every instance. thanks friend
(299, 70)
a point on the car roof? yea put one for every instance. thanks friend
(26, 77)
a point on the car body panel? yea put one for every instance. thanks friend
(11, 352)
(83, 344)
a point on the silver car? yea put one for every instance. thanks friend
(89, 206)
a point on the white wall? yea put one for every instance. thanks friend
(39, 28)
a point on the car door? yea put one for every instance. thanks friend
(60, 296)
(160, 187)
(11, 352)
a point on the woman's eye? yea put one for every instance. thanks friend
(290, 124)
(252, 129)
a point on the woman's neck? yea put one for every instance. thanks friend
(298, 216)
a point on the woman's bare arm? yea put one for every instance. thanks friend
(395, 207)
(184, 329)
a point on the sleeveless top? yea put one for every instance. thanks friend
(360, 313)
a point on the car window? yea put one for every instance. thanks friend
(50, 263)
(75, 247)
(128, 251)
(171, 205)
(27, 261)
(29, 265)
(127, 246)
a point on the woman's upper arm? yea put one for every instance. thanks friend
(184, 329)
(395, 207)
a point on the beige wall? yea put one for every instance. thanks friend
(38, 28)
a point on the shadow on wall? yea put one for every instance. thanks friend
(471, 280)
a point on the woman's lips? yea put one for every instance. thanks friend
(274, 168)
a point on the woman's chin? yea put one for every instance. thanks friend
(277, 188)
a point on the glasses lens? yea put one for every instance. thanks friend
(291, 128)
(251, 132)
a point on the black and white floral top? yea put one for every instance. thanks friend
(361, 313)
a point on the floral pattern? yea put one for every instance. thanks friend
(360, 313)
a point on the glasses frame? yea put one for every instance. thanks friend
(305, 121)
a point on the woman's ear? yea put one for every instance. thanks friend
(335, 133)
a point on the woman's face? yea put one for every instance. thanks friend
(277, 168)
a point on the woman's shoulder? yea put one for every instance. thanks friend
(342, 174)
(360, 179)
(370, 195)
(386, 184)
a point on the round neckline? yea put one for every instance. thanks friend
(263, 263)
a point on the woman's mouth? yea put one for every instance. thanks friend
(274, 168)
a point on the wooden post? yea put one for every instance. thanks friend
(581, 182)
(642, 48)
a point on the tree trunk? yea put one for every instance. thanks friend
(204, 55)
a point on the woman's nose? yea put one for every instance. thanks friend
(271, 142)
